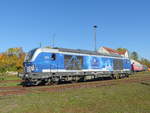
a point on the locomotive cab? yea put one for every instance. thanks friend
(37, 61)
(28, 64)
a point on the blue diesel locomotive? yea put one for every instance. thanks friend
(51, 65)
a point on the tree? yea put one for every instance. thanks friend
(122, 50)
(12, 60)
(48, 47)
(134, 55)
(14, 51)
(145, 62)
(19, 64)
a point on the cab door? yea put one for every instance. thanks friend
(53, 61)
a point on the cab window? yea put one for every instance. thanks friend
(53, 57)
(30, 55)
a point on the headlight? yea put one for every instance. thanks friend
(30, 68)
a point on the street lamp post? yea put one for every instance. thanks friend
(95, 26)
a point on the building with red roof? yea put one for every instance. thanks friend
(110, 51)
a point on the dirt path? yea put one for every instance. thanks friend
(23, 90)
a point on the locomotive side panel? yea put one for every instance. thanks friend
(98, 63)
(107, 64)
(42, 61)
(126, 64)
(117, 64)
(45, 62)
(72, 62)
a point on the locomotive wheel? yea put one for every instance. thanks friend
(54, 83)
(113, 76)
(126, 75)
(117, 76)
(48, 81)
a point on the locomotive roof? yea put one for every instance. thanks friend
(33, 53)
(85, 52)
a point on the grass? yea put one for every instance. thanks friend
(122, 98)
(10, 79)
(8, 84)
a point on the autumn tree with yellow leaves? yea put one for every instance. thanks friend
(12, 60)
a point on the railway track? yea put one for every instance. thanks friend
(18, 90)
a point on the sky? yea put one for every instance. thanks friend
(121, 23)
